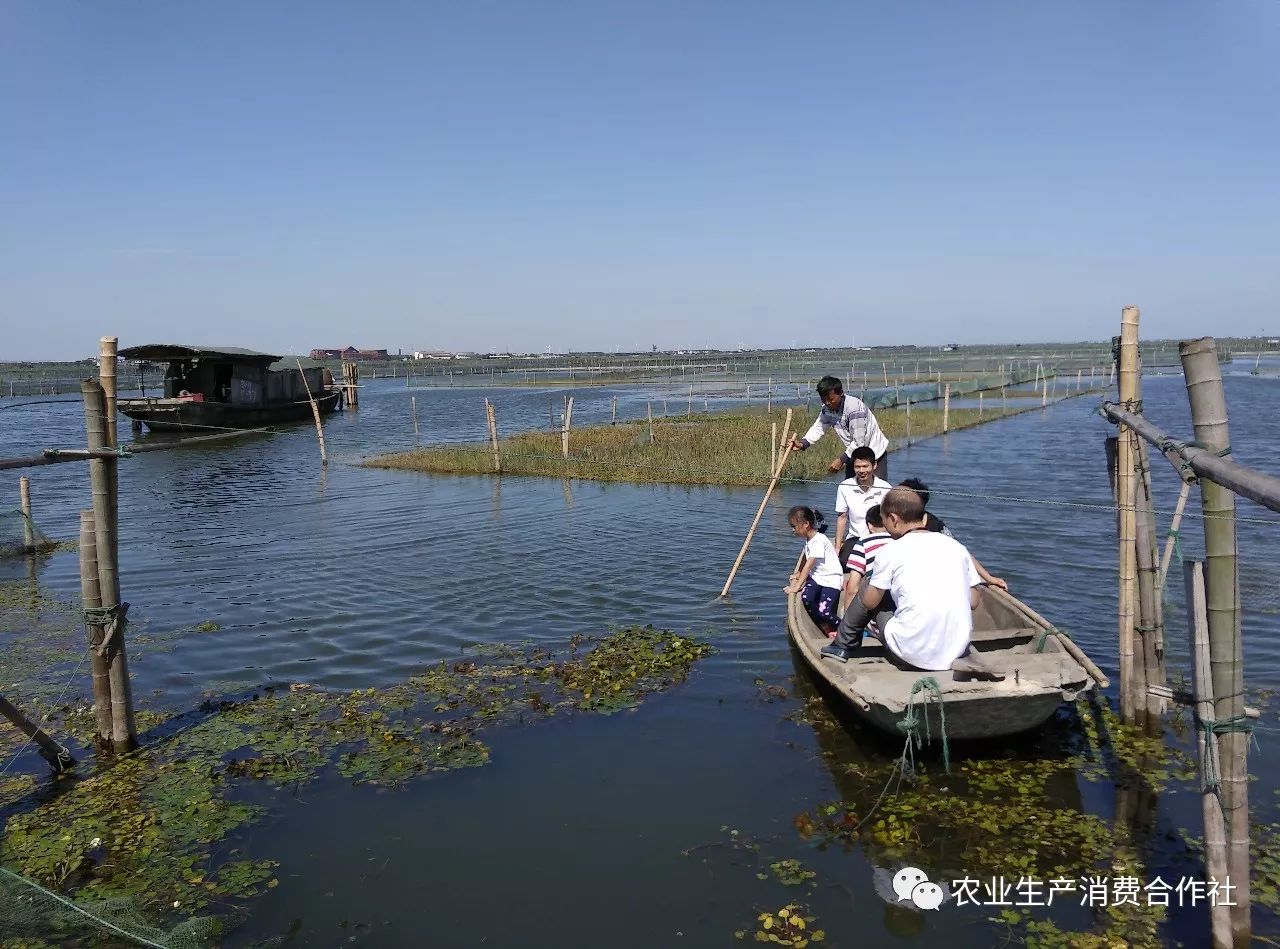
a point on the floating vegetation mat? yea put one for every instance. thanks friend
(161, 831)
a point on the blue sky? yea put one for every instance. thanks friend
(597, 174)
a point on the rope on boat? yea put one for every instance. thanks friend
(916, 722)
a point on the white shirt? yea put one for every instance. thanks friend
(827, 571)
(929, 576)
(855, 425)
(855, 502)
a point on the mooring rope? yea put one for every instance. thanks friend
(912, 721)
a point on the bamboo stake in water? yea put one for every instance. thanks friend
(91, 599)
(315, 414)
(884, 367)
(108, 355)
(689, 409)
(1215, 841)
(979, 405)
(1222, 588)
(58, 757)
(1174, 527)
(614, 406)
(649, 412)
(413, 410)
(564, 428)
(1125, 495)
(773, 446)
(946, 408)
(24, 502)
(777, 473)
(908, 421)
(491, 420)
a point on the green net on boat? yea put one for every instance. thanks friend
(19, 535)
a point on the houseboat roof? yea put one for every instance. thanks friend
(164, 352)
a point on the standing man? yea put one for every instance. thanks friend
(854, 424)
(855, 496)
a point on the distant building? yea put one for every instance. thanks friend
(351, 354)
(950, 347)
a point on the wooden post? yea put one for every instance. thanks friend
(28, 526)
(884, 367)
(58, 757)
(1150, 604)
(564, 426)
(946, 408)
(648, 407)
(777, 473)
(773, 446)
(769, 397)
(315, 414)
(1079, 378)
(908, 421)
(492, 421)
(1222, 593)
(689, 409)
(413, 410)
(1174, 527)
(101, 470)
(614, 409)
(91, 599)
(1125, 496)
(1215, 841)
(108, 355)
(979, 404)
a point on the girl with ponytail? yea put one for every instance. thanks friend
(819, 579)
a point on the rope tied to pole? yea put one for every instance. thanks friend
(916, 722)
(1211, 782)
(113, 618)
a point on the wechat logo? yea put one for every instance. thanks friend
(911, 883)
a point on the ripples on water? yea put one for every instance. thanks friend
(354, 577)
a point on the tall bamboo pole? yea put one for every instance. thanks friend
(773, 446)
(91, 599)
(777, 473)
(1215, 842)
(648, 408)
(24, 504)
(123, 730)
(492, 421)
(108, 348)
(614, 409)
(1209, 421)
(564, 426)
(946, 408)
(1125, 495)
(1150, 604)
(315, 414)
(413, 410)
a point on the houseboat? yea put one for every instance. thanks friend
(207, 389)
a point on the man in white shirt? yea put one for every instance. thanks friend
(933, 584)
(854, 423)
(855, 497)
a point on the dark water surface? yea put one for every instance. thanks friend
(574, 833)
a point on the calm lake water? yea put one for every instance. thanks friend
(574, 833)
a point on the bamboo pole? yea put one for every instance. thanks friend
(689, 409)
(649, 412)
(1215, 841)
(773, 446)
(108, 348)
(91, 599)
(614, 408)
(315, 414)
(769, 397)
(491, 419)
(946, 408)
(564, 426)
(777, 473)
(123, 730)
(1125, 496)
(58, 757)
(413, 410)
(885, 369)
(1222, 587)
(1174, 527)
(908, 421)
(1150, 605)
(979, 404)
(24, 503)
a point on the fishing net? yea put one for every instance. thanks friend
(31, 916)
(19, 535)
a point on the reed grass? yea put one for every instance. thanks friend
(731, 448)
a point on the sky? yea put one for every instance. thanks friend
(599, 175)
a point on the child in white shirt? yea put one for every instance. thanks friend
(819, 579)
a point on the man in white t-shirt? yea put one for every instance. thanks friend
(933, 583)
(855, 497)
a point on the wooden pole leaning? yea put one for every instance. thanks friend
(1125, 498)
(91, 602)
(58, 757)
(1174, 527)
(101, 470)
(1222, 595)
(315, 414)
(1215, 834)
(777, 473)
(24, 503)
(565, 423)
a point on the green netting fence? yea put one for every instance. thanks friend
(19, 535)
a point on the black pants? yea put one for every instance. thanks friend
(882, 467)
(857, 616)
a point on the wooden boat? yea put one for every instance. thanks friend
(207, 389)
(1006, 637)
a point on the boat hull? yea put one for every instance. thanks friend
(173, 415)
(1039, 675)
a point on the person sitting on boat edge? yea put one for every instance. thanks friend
(860, 559)
(854, 496)
(855, 425)
(933, 584)
(819, 578)
(934, 523)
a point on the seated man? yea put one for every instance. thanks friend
(934, 523)
(859, 560)
(933, 584)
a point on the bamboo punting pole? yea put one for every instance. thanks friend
(91, 599)
(1209, 421)
(564, 427)
(491, 420)
(413, 410)
(1174, 527)
(1150, 605)
(58, 757)
(946, 408)
(24, 502)
(1215, 840)
(1125, 495)
(777, 473)
(315, 414)
(123, 730)
(108, 348)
